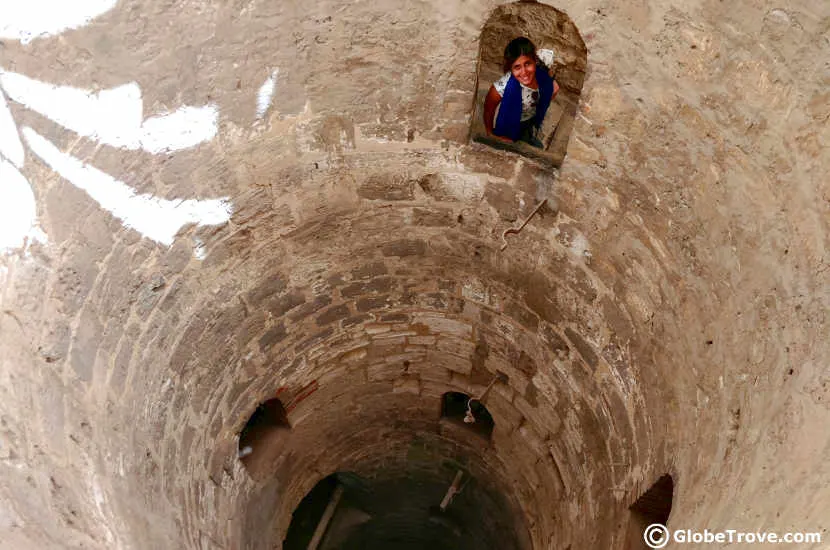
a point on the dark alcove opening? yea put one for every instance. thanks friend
(653, 506)
(459, 409)
(262, 437)
(402, 510)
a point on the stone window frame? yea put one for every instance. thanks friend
(548, 28)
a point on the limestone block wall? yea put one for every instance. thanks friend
(221, 203)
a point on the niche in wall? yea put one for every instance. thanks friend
(454, 408)
(344, 495)
(548, 28)
(262, 438)
(653, 506)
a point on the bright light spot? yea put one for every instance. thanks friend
(10, 145)
(26, 20)
(18, 210)
(199, 250)
(153, 217)
(266, 94)
(183, 128)
(114, 116)
(546, 56)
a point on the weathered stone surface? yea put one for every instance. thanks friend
(433, 218)
(372, 303)
(584, 349)
(269, 287)
(334, 133)
(85, 345)
(439, 324)
(554, 342)
(542, 299)
(369, 270)
(280, 305)
(483, 159)
(407, 385)
(380, 284)
(503, 198)
(333, 314)
(272, 336)
(404, 247)
(305, 309)
(387, 187)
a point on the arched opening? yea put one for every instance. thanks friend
(653, 506)
(460, 409)
(311, 518)
(262, 437)
(549, 29)
(435, 508)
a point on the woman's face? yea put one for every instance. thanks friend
(524, 69)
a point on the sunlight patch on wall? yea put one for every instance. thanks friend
(154, 217)
(114, 116)
(26, 20)
(18, 209)
(266, 94)
(10, 145)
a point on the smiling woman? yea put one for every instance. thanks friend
(521, 96)
(528, 91)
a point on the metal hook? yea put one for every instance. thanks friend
(514, 230)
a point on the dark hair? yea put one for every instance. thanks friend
(517, 48)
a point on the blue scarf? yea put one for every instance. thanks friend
(508, 123)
